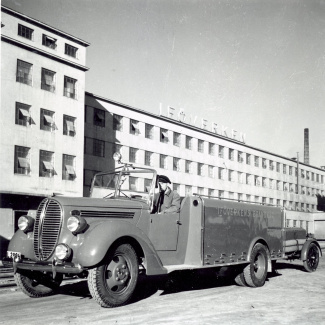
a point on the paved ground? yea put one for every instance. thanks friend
(290, 297)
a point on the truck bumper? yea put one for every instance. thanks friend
(54, 267)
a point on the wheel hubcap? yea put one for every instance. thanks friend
(118, 274)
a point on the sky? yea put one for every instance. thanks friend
(256, 66)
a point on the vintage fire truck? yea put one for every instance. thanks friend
(112, 235)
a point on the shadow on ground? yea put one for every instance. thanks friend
(174, 282)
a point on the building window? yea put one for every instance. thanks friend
(231, 154)
(240, 177)
(25, 32)
(248, 198)
(257, 161)
(264, 182)
(248, 179)
(70, 87)
(211, 192)
(46, 164)
(264, 164)
(256, 181)
(117, 122)
(133, 154)
(149, 131)
(177, 139)
(284, 169)
(211, 149)
(240, 197)
(263, 200)
(221, 152)
(134, 127)
(24, 72)
(200, 190)
(176, 164)
(49, 42)
(188, 189)
(200, 146)
(188, 165)
(147, 184)
(278, 185)
(48, 80)
(98, 148)
(200, 169)
(278, 167)
(248, 159)
(221, 194)
(271, 166)
(231, 177)
(307, 176)
(23, 116)
(163, 135)
(99, 117)
(133, 183)
(188, 142)
(240, 157)
(163, 161)
(68, 167)
(176, 187)
(221, 173)
(148, 158)
(70, 50)
(211, 171)
(69, 123)
(47, 122)
(22, 160)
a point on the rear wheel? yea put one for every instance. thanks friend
(37, 285)
(240, 280)
(113, 283)
(255, 273)
(312, 258)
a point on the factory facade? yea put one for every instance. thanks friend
(196, 159)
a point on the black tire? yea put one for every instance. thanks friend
(312, 258)
(36, 285)
(256, 272)
(240, 280)
(113, 283)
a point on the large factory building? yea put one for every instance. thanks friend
(42, 122)
(197, 159)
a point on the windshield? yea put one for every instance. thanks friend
(131, 183)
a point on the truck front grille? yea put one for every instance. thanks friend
(47, 228)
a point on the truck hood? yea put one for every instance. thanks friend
(86, 202)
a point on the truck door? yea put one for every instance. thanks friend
(163, 231)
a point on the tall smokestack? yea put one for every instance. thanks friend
(306, 146)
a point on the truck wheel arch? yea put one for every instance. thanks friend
(304, 250)
(262, 241)
(101, 238)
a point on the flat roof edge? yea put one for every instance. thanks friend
(43, 25)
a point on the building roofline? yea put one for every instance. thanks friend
(43, 25)
(33, 49)
(195, 128)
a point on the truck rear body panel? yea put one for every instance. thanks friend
(230, 228)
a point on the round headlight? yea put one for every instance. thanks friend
(25, 223)
(62, 251)
(76, 224)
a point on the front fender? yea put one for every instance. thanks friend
(303, 255)
(91, 249)
(22, 243)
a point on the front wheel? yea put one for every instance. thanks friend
(113, 283)
(255, 273)
(312, 258)
(37, 285)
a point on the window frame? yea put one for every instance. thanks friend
(24, 72)
(52, 44)
(46, 164)
(67, 92)
(22, 160)
(44, 85)
(68, 169)
(43, 120)
(25, 31)
(71, 50)
(99, 120)
(68, 129)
